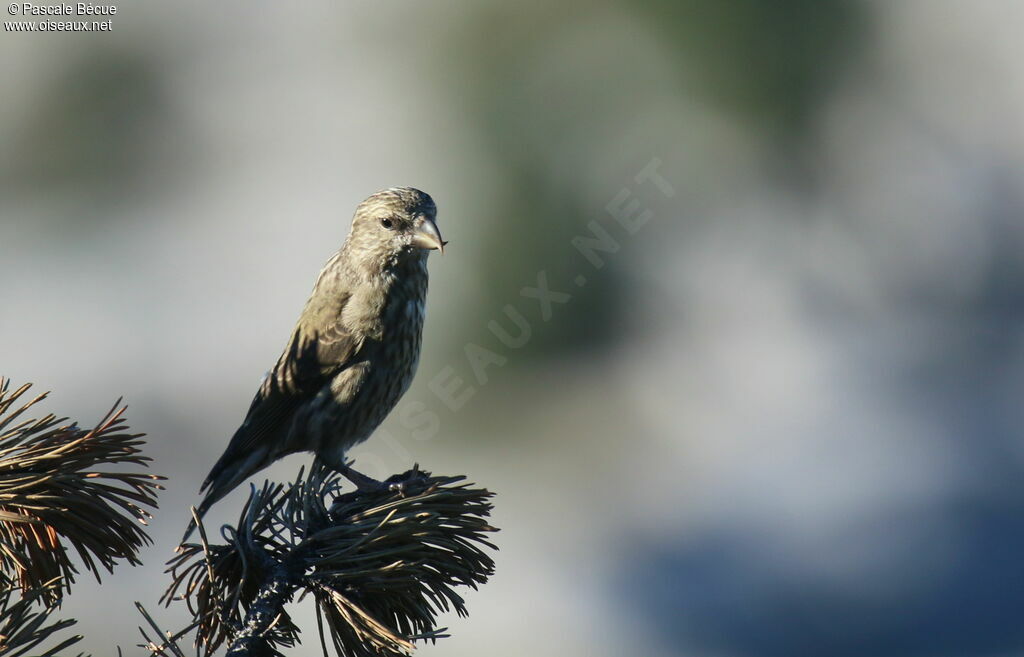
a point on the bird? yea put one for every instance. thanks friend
(353, 352)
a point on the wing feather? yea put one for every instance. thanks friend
(308, 364)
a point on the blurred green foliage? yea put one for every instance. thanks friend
(93, 136)
(773, 63)
(545, 94)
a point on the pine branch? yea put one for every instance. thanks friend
(380, 564)
(24, 622)
(55, 492)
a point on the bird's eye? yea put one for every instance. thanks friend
(387, 222)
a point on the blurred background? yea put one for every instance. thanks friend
(782, 418)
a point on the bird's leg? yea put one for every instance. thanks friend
(363, 482)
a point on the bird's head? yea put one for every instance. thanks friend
(396, 225)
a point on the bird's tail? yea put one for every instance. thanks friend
(229, 471)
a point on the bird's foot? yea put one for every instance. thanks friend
(401, 482)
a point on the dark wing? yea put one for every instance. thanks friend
(309, 362)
